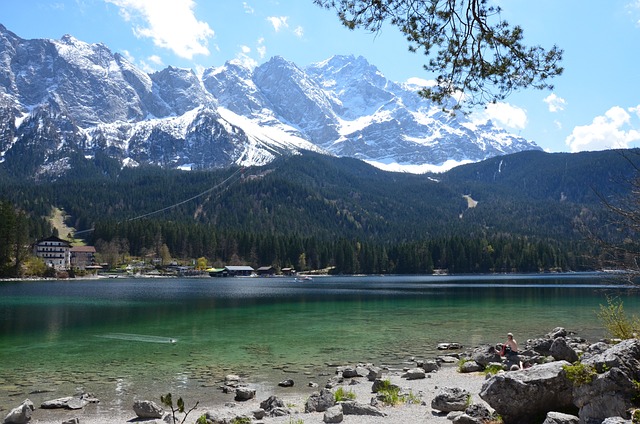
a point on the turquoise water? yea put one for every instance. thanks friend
(123, 339)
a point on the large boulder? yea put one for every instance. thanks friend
(20, 414)
(611, 392)
(244, 394)
(526, 396)
(450, 399)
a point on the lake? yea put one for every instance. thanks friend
(125, 339)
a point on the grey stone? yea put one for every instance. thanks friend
(451, 399)
(616, 420)
(560, 418)
(414, 374)
(333, 414)
(271, 403)
(147, 409)
(244, 394)
(379, 383)
(20, 414)
(561, 351)
(374, 372)
(259, 414)
(470, 366)
(286, 383)
(430, 366)
(59, 403)
(320, 401)
(557, 332)
(521, 396)
(72, 421)
(357, 408)
(484, 355)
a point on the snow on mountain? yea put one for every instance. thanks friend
(65, 99)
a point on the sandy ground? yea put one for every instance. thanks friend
(425, 389)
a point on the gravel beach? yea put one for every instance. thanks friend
(295, 398)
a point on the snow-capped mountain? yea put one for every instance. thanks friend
(64, 101)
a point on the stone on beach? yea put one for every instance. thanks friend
(333, 414)
(451, 399)
(320, 401)
(20, 414)
(244, 394)
(147, 409)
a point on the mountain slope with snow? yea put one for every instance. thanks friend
(66, 101)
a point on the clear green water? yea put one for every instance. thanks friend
(126, 339)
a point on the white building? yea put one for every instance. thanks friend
(54, 251)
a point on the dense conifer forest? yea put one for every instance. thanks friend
(521, 213)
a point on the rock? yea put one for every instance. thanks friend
(286, 383)
(470, 366)
(244, 393)
(72, 421)
(20, 414)
(560, 418)
(521, 396)
(379, 383)
(320, 401)
(616, 420)
(557, 332)
(610, 393)
(259, 414)
(76, 403)
(414, 374)
(271, 403)
(484, 355)
(374, 373)
(430, 366)
(333, 414)
(561, 351)
(147, 409)
(451, 399)
(357, 408)
(449, 346)
(59, 403)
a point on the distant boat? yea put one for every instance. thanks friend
(304, 278)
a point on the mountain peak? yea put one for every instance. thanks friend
(86, 100)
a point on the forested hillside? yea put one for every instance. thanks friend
(313, 211)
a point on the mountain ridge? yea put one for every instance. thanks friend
(68, 101)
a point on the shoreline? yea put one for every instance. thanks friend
(295, 397)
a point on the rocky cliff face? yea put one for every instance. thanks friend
(64, 101)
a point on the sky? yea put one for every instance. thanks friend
(594, 105)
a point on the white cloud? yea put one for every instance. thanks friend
(245, 49)
(299, 32)
(278, 22)
(171, 24)
(248, 9)
(155, 59)
(555, 103)
(261, 49)
(613, 130)
(504, 114)
(634, 10)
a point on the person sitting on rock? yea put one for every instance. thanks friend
(510, 350)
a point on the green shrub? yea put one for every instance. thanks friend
(241, 420)
(615, 320)
(342, 395)
(579, 373)
(167, 401)
(390, 395)
(492, 369)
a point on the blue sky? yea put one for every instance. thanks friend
(595, 104)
